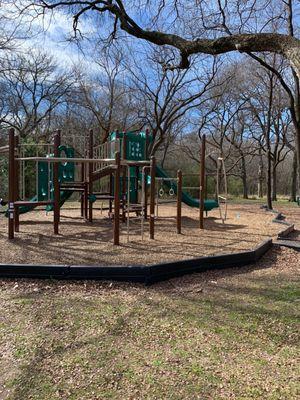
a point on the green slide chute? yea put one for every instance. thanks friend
(186, 198)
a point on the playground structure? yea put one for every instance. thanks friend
(120, 169)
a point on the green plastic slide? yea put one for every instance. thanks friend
(186, 198)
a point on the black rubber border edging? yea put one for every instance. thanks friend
(139, 273)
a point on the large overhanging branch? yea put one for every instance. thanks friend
(285, 45)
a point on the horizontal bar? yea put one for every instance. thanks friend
(206, 173)
(35, 145)
(133, 163)
(4, 149)
(191, 187)
(103, 197)
(71, 189)
(166, 179)
(32, 203)
(65, 159)
(79, 184)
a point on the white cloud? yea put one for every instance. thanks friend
(52, 33)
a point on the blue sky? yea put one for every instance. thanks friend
(51, 33)
(58, 29)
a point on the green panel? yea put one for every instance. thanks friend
(135, 144)
(44, 171)
(135, 150)
(66, 173)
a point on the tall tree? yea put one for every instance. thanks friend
(32, 88)
(165, 97)
(105, 95)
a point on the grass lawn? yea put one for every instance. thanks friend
(217, 335)
(281, 201)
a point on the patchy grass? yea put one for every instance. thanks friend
(281, 201)
(217, 335)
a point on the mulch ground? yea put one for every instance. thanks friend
(91, 244)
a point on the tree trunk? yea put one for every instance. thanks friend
(260, 190)
(294, 179)
(274, 184)
(244, 178)
(269, 180)
(297, 150)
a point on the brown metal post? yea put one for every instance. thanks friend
(82, 205)
(110, 193)
(179, 199)
(86, 199)
(124, 182)
(59, 137)
(152, 196)
(82, 197)
(17, 186)
(145, 205)
(58, 144)
(91, 153)
(205, 191)
(11, 183)
(202, 183)
(136, 183)
(56, 185)
(117, 200)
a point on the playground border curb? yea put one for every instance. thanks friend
(138, 273)
(285, 232)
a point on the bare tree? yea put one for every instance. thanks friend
(165, 97)
(271, 129)
(9, 28)
(32, 88)
(105, 95)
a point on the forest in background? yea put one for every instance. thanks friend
(245, 103)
